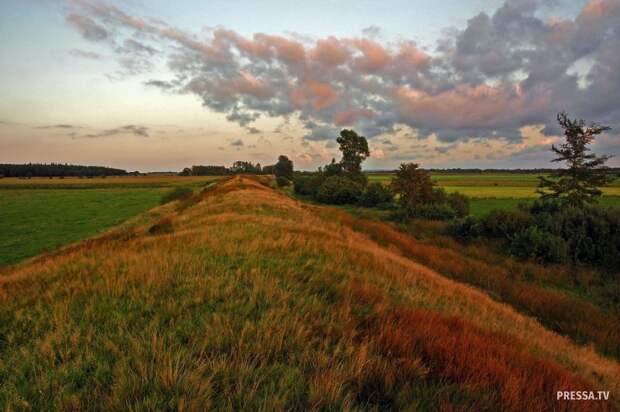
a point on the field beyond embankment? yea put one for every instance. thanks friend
(246, 299)
(42, 214)
(489, 191)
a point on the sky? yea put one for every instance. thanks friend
(158, 85)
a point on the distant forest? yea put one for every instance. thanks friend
(57, 170)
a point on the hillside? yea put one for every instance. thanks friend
(246, 299)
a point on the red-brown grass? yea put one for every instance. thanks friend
(490, 363)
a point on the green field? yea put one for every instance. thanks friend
(490, 191)
(38, 215)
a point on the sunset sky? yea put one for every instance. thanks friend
(160, 85)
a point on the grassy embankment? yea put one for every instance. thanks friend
(252, 300)
(490, 191)
(40, 215)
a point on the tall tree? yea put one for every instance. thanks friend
(284, 167)
(413, 185)
(585, 173)
(354, 150)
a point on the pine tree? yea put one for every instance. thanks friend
(586, 172)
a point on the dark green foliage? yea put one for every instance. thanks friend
(534, 243)
(339, 190)
(178, 193)
(586, 172)
(466, 229)
(206, 171)
(307, 185)
(504, 224)
(354, 150)
(332, 169)
(552, 231)
(413, 185)
(459, 203)
(284, 167)
(375, 194)
(431, 211)
(420, 198)
(56, 169)
(241, 166)
(282, 181)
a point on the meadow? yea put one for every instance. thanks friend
(252, 300)
(39, 215)
(489, 191)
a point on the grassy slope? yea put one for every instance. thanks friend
(257, 301)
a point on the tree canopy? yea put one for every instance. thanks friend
(354, 150)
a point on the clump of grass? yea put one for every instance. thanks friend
(162, 226)
(178, 193)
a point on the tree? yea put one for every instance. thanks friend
(413, 185)
(284, 167)
(354, 150)
(586, 172)
(332, 169)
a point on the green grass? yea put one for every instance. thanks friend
(34, 221)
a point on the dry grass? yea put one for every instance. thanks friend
(258, 302)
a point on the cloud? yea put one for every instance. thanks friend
(501, 72)
(87, 27)
(86, 54)
(237, 143)
(60, 126)
(140, 131)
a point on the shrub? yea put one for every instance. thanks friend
(178, 193)
(542, 246)
(282, 181)
(162, 226)
(505, 224)
(432, 211)
(375, 194)
(339, 190)
(307, 184)
(466, 229)
(459, 202)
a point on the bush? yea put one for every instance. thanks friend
(163, 226)
(459, 202)
(505, 224)
(466, 229)
(432, 211)
(282, 181)
(339, 190)
(542, 246)
(375, 194)
(178, 193)
(307, 184)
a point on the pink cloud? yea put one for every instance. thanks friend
(330, 52)
(350, 117)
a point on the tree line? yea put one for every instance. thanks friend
(282, 169)
(565, 225)
(57, 170)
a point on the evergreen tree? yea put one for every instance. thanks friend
(586, 172)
